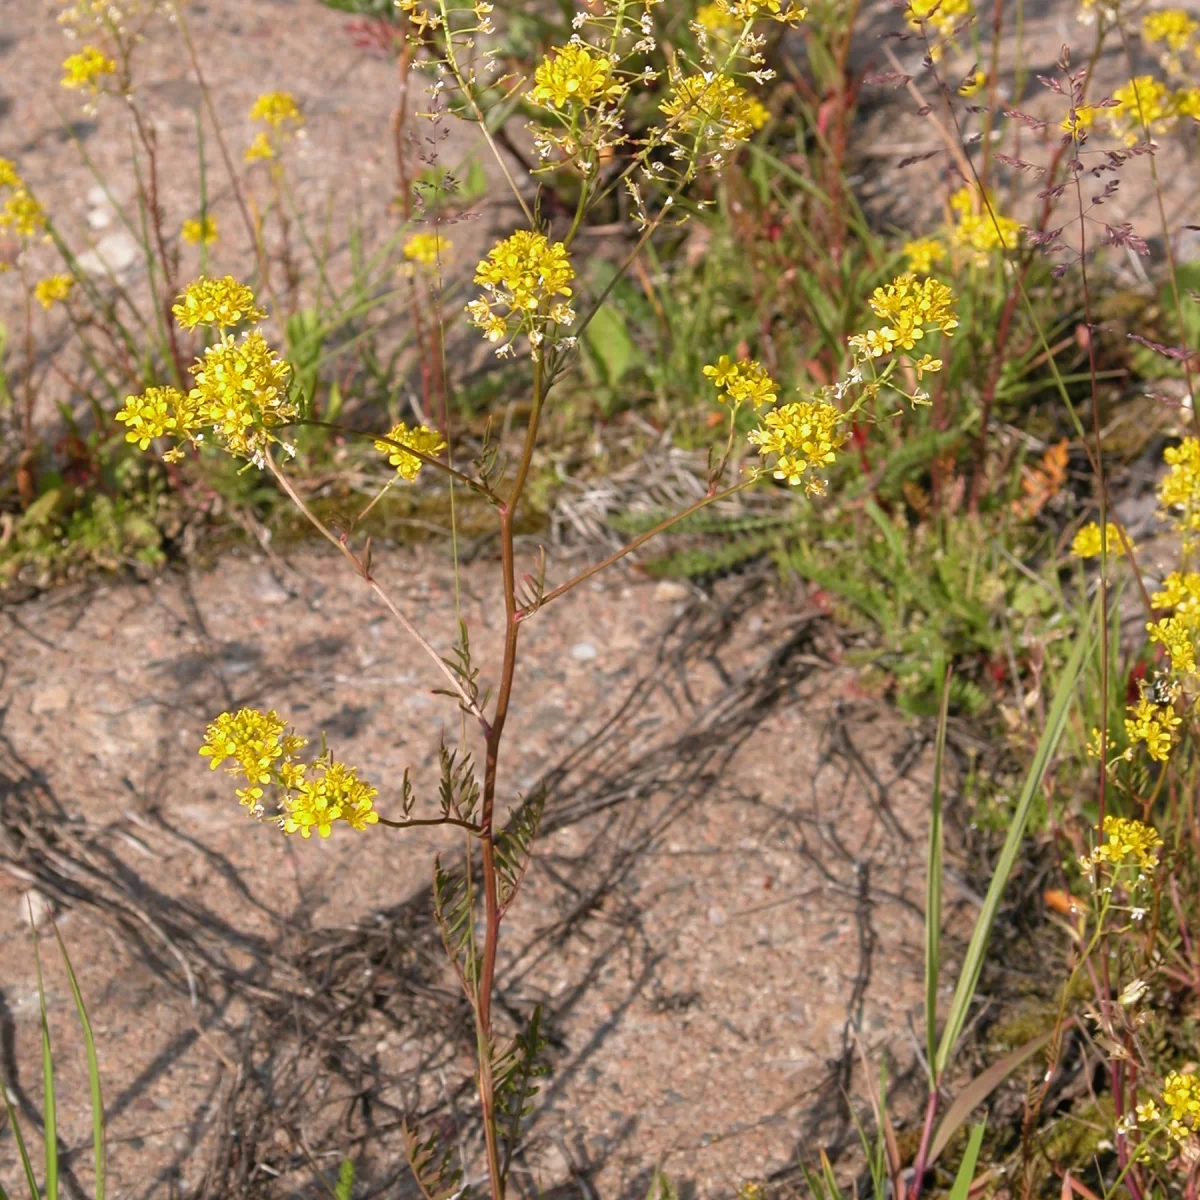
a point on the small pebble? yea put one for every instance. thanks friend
(583, 652)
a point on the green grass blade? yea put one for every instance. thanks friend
(49, 1114)
(966, 1171)
(98, 1156)
(968, 979)
(933, 886)
(30, 1178)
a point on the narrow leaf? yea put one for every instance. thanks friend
(93, 1072)
(968, 979)
(49, 1115)
(978, 1090)
(933, 885)
(966, 1171)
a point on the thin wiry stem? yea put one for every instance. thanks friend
(464, 697)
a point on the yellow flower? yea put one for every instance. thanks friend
(802, 435)
(783, 11)
(276, 109)
(254, 740)
(1153, 724)
(199, 229)
(1180, 591)
(1087, 541)
(983, 231)
(1147, 1112)
(722, 371)
(927, 363)
(1143, 102)
(422, 438)
(714, 107)
(259, 148)
(1187, 102)
(973, 83)
(742, 382)
(522, 274)
(22, 214)
(1170, 25)
(82, 70)
(923, 255)
(910, 309)
(159, 412)
(334, 793)
(8, 174)
(716, 19)
(1079, 119)
(943, 15)
(1181, 1095)
(573, 75)
(53, 288)
(426, 248)
(217, 302)
(1128, 839)
(1180, 488)
(241, 388)
(1175, 635)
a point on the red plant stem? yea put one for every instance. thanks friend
(923, 1148)
(147, 138)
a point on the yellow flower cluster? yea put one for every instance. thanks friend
(218, 302)
(714, 107)
(909, 309)
(52, 289)
(199, 229)
(241, 386)
(426, 249)
(742, 382)
(1170, 25)
(422, 438)
(1154, 724)
(943, 15)
(336, 794)
(1087, 543)
(259, 148)
(805, 436)
(1181, 591)
(521, 276)
(85, 69)
(159, 412)
(784, 11)
(310, 795)
(982, 231)
(1143, 104)
(1078, 120)
(715, 19)
(1180, 488)
(255, 741)
(923, 255)
(1181, 1095)
(1175, 635)
(276, 109)
(573, 74)
(22, 213)
(242, 390)
(1126, 839)
(8, 174)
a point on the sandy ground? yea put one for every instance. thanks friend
(726, 894)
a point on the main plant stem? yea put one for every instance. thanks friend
(495, 731)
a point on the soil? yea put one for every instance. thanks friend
(724, 903)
